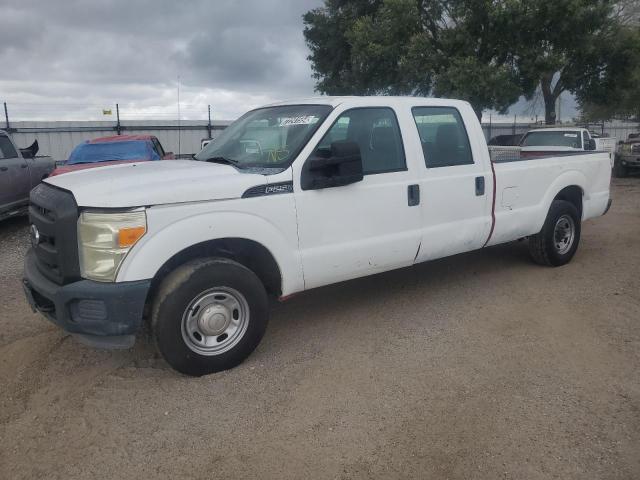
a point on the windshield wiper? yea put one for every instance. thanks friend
(223, 160)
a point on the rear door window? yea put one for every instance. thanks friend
(444, 139)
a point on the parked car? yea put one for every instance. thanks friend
(289, 197)
(545, 141)
(628, 157)
(101, 152)
(20, 171)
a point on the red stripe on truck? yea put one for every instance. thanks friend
(493, 204)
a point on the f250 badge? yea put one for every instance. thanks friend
(278, 188)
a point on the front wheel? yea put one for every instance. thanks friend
(557, 242)
(209, 315)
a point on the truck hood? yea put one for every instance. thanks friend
(155, 183)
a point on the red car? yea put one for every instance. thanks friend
(104, 151)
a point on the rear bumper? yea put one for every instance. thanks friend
(103, 314)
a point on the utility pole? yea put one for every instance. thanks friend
(209, 124)
(179, 131)
(118, 129)
(6, 116)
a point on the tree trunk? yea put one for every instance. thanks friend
(550, 95)
(550, 110)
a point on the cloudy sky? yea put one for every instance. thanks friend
(70, 59)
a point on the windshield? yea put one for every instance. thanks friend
(267, 137)
(552, 139)
(107, 152)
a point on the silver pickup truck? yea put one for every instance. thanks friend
(20, 171)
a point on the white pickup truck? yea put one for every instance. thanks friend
(564, 140)
(290, 197)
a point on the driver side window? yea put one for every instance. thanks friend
(377, 134)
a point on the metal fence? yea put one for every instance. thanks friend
(59, 138)
(183, 137)
(614, 129)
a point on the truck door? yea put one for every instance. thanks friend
(365, 227)
(14, 176)
(456, 185)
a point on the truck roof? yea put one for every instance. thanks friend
(371, 100)
(120, 138)
(557, 129)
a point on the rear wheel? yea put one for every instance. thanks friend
(209, 315)
(557, 242)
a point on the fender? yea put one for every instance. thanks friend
(565, 179)
(167, 236)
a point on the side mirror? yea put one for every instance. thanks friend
(592, 144)
(342, 165)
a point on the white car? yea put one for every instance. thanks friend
(290, 197)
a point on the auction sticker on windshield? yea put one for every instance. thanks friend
(299, 120)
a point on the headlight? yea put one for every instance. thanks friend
(104, 239)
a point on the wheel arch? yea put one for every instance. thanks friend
(253, 255)
(573, 194)
(569, 186)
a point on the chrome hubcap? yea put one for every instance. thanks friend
(564, 234)
(215, 321)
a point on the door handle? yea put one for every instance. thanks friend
(413, 194)
(24, 165)
(4, 169)
(479, 186)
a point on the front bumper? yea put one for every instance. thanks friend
(630, 161)
(101, 314)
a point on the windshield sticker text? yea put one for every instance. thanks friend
(299, 120)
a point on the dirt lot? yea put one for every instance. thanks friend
(479, 366)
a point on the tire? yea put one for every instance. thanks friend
(619, 170)
(209, 315)
(552, 246)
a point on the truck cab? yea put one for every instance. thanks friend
(291, 196)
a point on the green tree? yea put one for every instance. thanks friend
(577, 46)
(411, 47)
(489, 52)
(617, 92)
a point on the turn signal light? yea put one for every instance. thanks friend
(130, 235)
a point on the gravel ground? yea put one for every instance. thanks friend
(480, 366)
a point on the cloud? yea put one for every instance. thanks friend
(65, 59)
